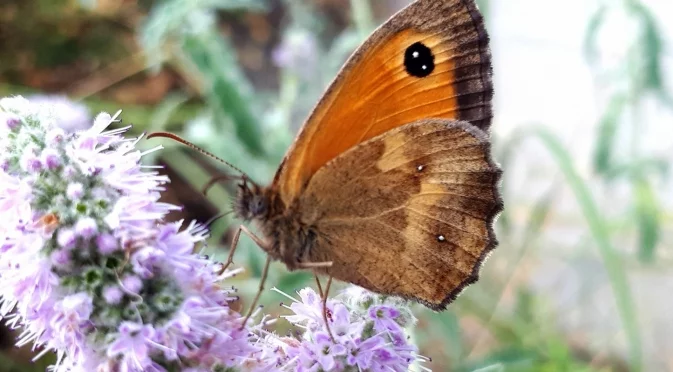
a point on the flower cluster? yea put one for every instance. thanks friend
(69, 115)
(366, 333)
(88, 268)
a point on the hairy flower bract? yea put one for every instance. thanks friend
(88, 267)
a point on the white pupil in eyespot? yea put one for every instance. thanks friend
(415, 54)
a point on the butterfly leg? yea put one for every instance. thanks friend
(317, 282)
(234, 244)
(314, 265)
(324, 305)
(265, 272)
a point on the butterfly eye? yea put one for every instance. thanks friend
(419, 60)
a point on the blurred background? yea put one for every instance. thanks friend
(583, 277)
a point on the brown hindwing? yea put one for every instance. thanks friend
(408, 213)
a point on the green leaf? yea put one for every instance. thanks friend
(226, 89)
(538, 217)
(648, 217)
(650, 45)
(484, 8)
(186, 31)
(591, 36)
(290, 282)
(255, 256)
(446, 324)
(506, 150)
(607, 131)
(507, 359)
(599, 230)
(525, 305)
(362, 17)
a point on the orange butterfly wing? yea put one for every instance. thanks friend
(376, 92)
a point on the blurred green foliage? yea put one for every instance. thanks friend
(220, 109)
(643, 75)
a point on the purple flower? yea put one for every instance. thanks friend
(60, 257)
(366, 334)
(57, 254)
(297, 52)
(342, 326)
(384, 318)
(112, 294)
(74, 191)
(9, 121)
(133, 346)
(50, 159)
(66, 238)
(107, 244)
(132, 284)
(362, 352)
(86, 227)
(29, 161)
(308, 310)
(68, 115)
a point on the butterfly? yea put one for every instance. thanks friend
(390, 184)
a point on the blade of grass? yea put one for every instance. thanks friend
(225, 86)
(362, 17)
(597, 226)
(484, 8)
(536, 220)
(590, 40)
(648, 218)
(607, 131)
(138, 115)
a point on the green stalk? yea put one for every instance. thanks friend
(362, 17)
(611, 260)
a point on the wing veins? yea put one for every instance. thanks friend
(423, 245)
(452, 193)
(417, 243)
(444, 222)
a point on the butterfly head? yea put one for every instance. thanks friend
(252, 201)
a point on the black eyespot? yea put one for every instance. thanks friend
(419, 60)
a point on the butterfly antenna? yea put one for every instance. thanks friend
(217, 217)
(183, 141)
(220, 178)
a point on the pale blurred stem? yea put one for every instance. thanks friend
(484, 7)
(109, 75)
(188, 70)
(611, 260)
(139, 115)
(287, 97)
(536, 221)
(362, 17)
